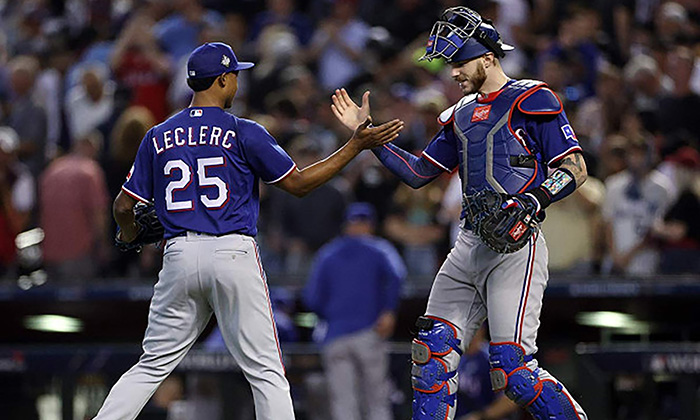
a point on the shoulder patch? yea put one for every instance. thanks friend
(448, 115)
(540, 101)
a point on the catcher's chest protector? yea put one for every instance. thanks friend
(496, 151)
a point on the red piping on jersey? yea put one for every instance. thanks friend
(407, 164)
(489, 97)
(527, 292)
(571, 150)
(510, 127)
(435, 162)
(269, 306)
(134, 196)
(530, 92)
(452, 117)
(285, 176)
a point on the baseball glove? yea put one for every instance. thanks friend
(504, 223)
(150, 229)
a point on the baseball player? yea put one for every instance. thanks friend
(514, 146)
(200, 169)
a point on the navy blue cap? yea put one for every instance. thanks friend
(212, 59)
(360, 211)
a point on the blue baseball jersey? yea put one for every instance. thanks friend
(522, 119)
(200, 169)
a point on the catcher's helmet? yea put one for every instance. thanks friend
(462, 34)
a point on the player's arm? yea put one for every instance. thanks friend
(550, 128)
(412, 170)
(123, 211)
(302, 181)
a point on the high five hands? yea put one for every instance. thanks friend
(347, 111)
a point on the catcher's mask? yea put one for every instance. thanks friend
(462, 34)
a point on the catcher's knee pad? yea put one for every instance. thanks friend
(543, 399)
(435, 353)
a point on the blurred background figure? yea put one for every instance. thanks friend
(635, 199)
(354, 289)
(74, 209)
(475, 399)
(680, 227)
(17, 197)
(91, 103)
(338, 45)
(26, 116)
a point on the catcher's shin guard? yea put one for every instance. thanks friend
(435, 353)
(543, 399)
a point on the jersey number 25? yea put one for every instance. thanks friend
(203, 180)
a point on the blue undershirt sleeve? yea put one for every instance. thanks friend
(413, 170)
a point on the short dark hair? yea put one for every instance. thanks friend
(199, 85)
(204, 83)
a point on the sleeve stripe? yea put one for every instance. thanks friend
(435, 162)
(570, 150)
(286, 174)
(135, 196)
(409, 165)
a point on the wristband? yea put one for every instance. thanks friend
(559, 185)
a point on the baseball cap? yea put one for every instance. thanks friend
(212, 59)
(360, 211)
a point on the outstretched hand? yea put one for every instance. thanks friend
(347, 111)
(368, 137)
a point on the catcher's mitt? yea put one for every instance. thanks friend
(504, 223)
(150, 229)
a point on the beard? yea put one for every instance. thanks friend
(475, 80)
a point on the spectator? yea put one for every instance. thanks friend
(678, 111)
(282, 12)
(26, 116)
(90, 104)
(413, 225)
(338, 45)
(644, 78)
(74, 211)
(680, 228)
(601, 115)
(635, 200)
(475, 399)
(354, 287)
(179, 33)
(140, 66)
(310, 221)
(17, 197)
(577, 216)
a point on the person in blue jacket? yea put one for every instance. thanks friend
(354, 288)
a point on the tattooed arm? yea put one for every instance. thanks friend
(575, 164)
(570, 174)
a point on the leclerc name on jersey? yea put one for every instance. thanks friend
(205, 136)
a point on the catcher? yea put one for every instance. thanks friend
(505, 136)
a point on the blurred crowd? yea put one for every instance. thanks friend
(81, 81)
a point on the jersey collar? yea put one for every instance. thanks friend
(481, 98)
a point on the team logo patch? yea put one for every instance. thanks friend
(568, 132)
(481, 113)
(225, 60)
(196, 113)
(517, 231)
